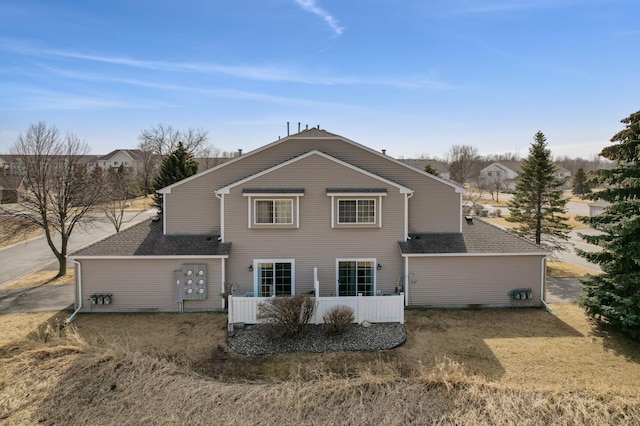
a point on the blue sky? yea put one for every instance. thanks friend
(411, 76)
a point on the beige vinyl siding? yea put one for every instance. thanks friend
(145, 284)
(474, 280)
(314, 243)
(193, 208)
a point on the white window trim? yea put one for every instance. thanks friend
(356, 196)
(295, 215)
(255, 219)
(255, 272)
(374, 264)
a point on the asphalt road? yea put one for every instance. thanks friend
(33, 255)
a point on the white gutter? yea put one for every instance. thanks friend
(79, 278)
(542, 282)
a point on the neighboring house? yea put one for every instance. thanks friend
(130, 159)
(10, 187)
(505, 174)
(502, 175)
(422, 163)
(12, 165)
(313, 212)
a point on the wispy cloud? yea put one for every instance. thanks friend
(496, 6)
(270, 73)
(311, 6)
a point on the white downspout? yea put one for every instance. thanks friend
(542, 285)
(221, 198)
(79, 277)
(406, 281)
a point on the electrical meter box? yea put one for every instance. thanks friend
(190, 282)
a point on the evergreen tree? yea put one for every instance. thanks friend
(429, 169)
(615, 294)
(537, 205)
(179, 164)
(580, 185)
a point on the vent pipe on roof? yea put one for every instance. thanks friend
(239, 152)
(384, 152)
(307, 127)
(298, 127)
(287, 128)
(318, 127)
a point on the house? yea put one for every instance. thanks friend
(10, 187)
(130, 159)
(313, 212)
(424, 163)
(503, 175)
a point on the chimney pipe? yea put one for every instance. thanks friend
(384, 152)
(239, 152)
(307, 127)
(287, 128)
(298, 127)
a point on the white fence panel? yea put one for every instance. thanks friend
(365, 308)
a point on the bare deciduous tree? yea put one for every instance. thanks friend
(149, 167)
(164, 139)
(60, 194)
(463, 162)
(117, 194)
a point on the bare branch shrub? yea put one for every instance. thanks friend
(288, 314)
(339, 319)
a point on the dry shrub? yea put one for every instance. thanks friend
(288, 314)
(339, 319)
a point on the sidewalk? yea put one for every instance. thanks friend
(45, 298)
(563, 290)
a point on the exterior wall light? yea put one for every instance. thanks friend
(251, 268)
(379, 266)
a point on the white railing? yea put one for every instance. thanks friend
(365, 308)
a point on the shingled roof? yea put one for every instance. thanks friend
(477, 237)
(146, 239)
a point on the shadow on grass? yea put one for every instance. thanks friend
(615, 340)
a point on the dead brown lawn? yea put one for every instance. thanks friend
(498, 366)
(559, 269)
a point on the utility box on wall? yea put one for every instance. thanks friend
(190, 282)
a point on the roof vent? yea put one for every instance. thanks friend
(239, 152)
(384, 152)
(469, 220)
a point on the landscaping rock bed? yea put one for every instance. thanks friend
(262, 339)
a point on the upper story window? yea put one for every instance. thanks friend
(357, 211)
(359, 207)
(269, 207)
(276, 212)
